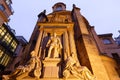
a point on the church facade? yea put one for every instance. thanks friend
(63, 46)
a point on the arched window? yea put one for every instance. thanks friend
(2, 8)
(59, 8)
(107, 41)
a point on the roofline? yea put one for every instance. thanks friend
(108, 35)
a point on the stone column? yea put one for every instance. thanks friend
(66, 45)
(38, 42)
(43, 44)
(72, 44)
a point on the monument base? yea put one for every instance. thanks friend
(51, 68)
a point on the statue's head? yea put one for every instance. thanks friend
(54, 34)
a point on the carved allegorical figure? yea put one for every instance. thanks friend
(72, 67)
(34, 65)
(55, 46)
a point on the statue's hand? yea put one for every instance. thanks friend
(47, 45)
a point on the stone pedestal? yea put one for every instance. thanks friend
(51, 68)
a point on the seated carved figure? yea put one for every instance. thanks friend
(80, 72)
(23, 71)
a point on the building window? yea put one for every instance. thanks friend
(107, 41)
(58, 8)
(2, 8)
(1, 52)
(4, 57)
(7, 39)
(4, 61)
(7, 60)
(13, 45)
(8, 2)
(2, 31)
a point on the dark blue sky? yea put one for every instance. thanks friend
(103, 14)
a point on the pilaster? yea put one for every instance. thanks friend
(66, 45)
(37, 47)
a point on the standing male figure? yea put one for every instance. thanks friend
(54, 45)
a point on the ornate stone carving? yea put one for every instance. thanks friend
(33, 66)
(72, 67)
(55, 46)
(59, 18)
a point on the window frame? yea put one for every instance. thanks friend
(2, 8)
(106, 41)
(59, 8)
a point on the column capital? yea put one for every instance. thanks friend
(40, 28)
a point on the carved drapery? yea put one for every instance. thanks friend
(55, 46)
(32, 68)
(80, 72)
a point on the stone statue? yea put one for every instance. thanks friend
(72, 67)
(37, 71)
(23, 71)
(74, 5)
(55, 46)
(43, 15)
